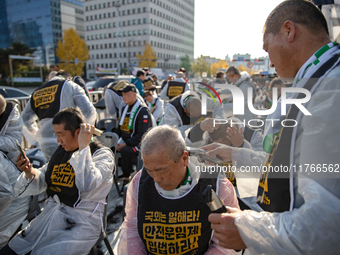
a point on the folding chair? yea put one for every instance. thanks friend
(107, 124)
(110, 140)
(103, 235)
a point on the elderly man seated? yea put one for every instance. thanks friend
(77, 180)
(165, 209)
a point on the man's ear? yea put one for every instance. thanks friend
(185, 158)
(77, 131)
(290, 30)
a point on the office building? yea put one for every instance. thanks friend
(116, 31)
(39, 24)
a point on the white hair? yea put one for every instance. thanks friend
(166, 137)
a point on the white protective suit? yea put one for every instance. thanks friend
(13, 210)
(72, 95)
(313, 224)
(11, 131)
(165, 89)
(250, 154)
(172, 118)
(158, 112)
(62, 229)
(112, 101)
(243, 84)
(130, 241)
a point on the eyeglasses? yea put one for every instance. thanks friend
(24, 187)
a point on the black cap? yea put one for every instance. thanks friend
(128, 88)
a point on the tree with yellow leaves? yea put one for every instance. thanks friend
(72, 52)
(215, 67)
(241, 68)
(148, 59)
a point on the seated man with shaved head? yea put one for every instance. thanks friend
(165, 209)
(184, 111)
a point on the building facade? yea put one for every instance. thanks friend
(39, 24)
(117, 31)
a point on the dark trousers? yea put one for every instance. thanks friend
(129, 155)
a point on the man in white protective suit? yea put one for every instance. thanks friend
(77, 180)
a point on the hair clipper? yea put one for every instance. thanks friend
(200, 153)
(215, 204)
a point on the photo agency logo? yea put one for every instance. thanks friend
(238, 103)
(204, 97)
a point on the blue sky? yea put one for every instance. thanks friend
(230, 26)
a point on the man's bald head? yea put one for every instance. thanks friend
(2, 104)
(301, 12)
(193, 107)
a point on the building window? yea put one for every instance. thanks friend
(134, 22)
(139, 21)
(144, 20)
(133, 11)
(129, 22)
(128, 12)
(129, 33)
(145, 31)
(139, 10)
(139, 32)
(144, 9)
(134, 32)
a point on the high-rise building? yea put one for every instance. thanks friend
(116, 31)
(39, 24)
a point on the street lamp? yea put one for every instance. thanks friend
(117, 4)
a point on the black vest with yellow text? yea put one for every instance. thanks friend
(274, 193)
(45, 100)
(173, 225)
(60, 176)
(175, 88)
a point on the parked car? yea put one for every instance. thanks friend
(89, 85)
(10, 92)
(105, 80)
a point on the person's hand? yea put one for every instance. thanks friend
(120, 146)
(208, 125)
(223, 151)
(24, 165)
(235, 136)
(33, 147)
(225, 229)
(85, 135)
(153, 108)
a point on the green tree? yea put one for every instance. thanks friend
(69, 50)
(201, 65)
(16, 48)
(148, 59)
(186, 63)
